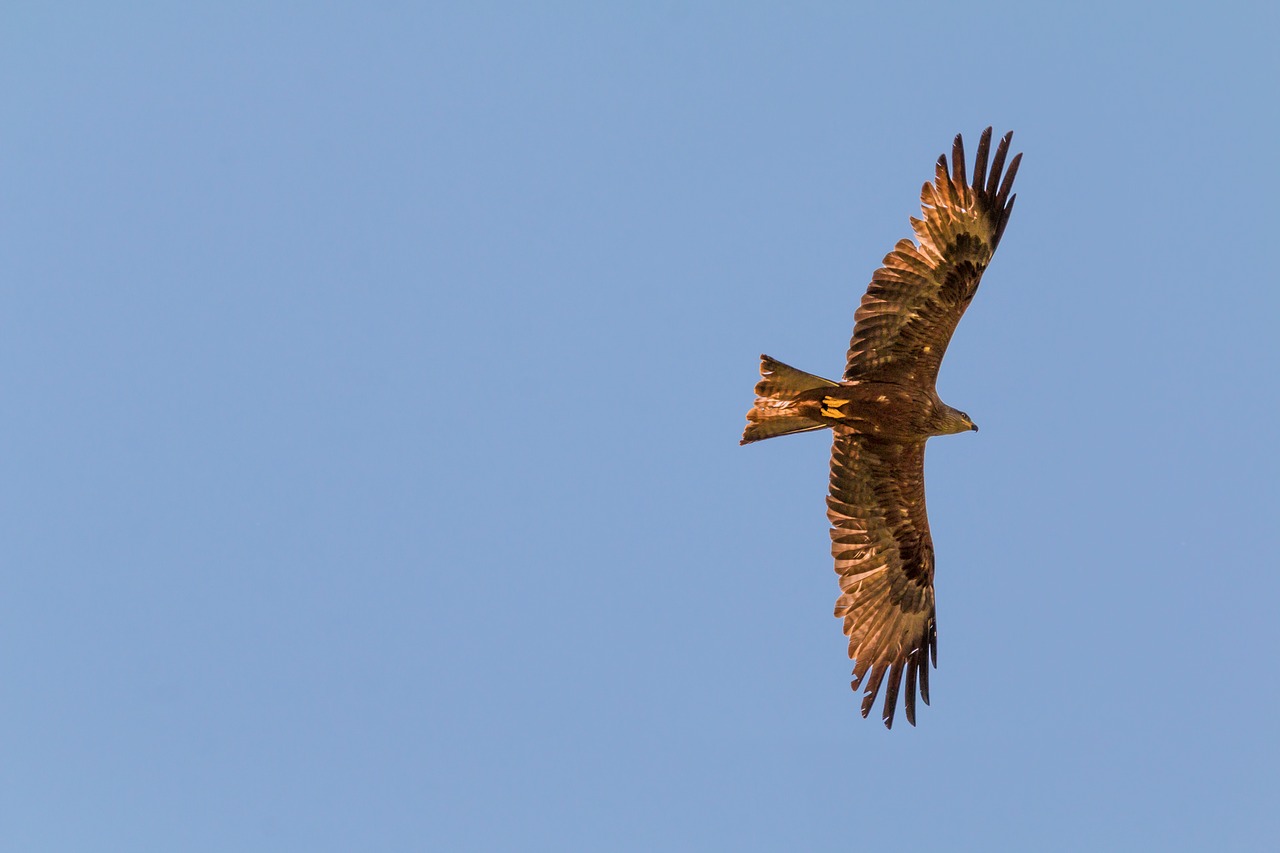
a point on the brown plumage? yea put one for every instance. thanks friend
(883, 412)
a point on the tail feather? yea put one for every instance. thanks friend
(777, 410)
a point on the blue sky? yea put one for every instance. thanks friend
(372, 379)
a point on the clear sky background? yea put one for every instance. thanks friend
(372, 375)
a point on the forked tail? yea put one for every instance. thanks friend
(778, 409)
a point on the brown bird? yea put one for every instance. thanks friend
(882, 413)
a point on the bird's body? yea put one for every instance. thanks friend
(883, 411)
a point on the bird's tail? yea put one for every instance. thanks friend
(778, 409)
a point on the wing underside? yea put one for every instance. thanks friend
(884, 556)
(911, 308)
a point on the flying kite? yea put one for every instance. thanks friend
(884, 410)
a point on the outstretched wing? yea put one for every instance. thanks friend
(916, 299)
(884, 556)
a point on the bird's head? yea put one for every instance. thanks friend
(954, 420)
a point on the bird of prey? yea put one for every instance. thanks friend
(884, 410)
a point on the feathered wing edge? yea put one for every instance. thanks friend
(884, 555)
(917, 296)
(953, 206)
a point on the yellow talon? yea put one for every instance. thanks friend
(832, 413)
(834, 402)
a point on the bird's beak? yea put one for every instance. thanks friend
(973, 426)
